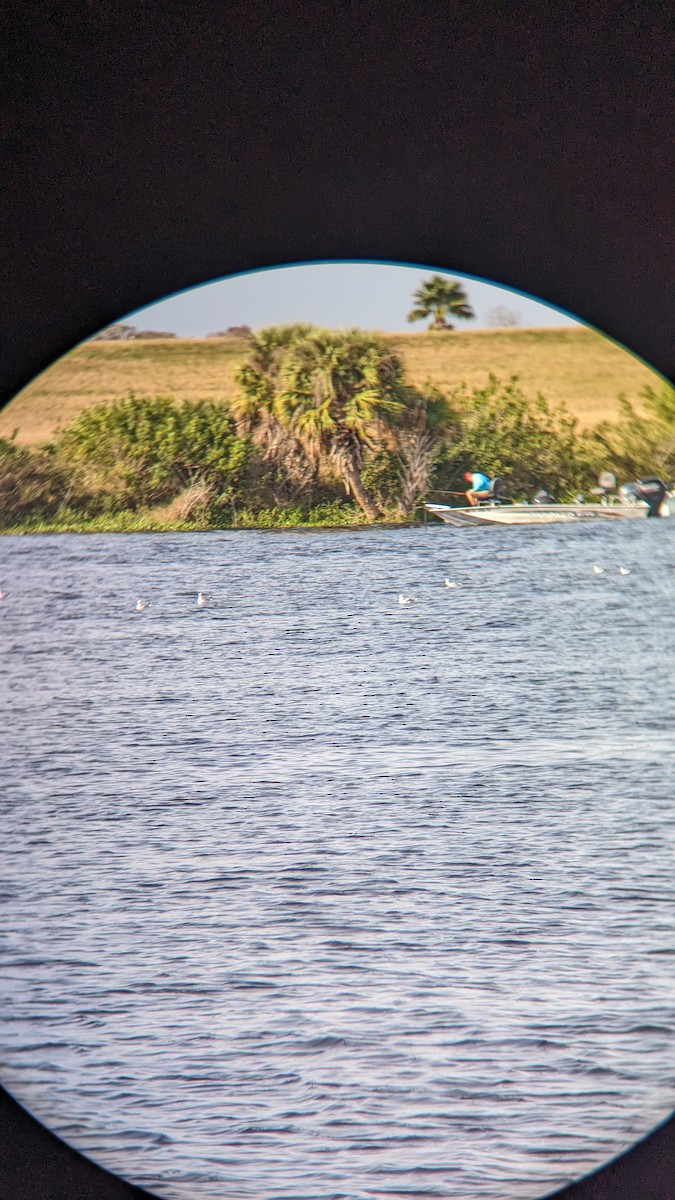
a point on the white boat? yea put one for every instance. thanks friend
(535, 514)
(633, 501)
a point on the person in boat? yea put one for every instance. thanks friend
(480, 487)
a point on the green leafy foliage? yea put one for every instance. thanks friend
(500, 431)
(32, 482)
(639, 446)
(317, 400)
(381, 475)
(144, 450)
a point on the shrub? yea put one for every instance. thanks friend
(32, 482)
(143, 450)
(502, 432)
(640, 445)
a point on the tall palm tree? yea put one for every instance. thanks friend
(440, 298)
(335, 394)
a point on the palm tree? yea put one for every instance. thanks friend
(333, 394)
(439, 298)
(255, 406)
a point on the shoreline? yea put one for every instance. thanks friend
(219, 529)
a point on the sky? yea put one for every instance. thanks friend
(335, 295)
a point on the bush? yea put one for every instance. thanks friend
(639, 445)
(503, 433)
(32, 483)
(140, 450)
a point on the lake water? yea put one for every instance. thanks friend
(311, 895)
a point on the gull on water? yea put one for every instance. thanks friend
(598, 570)
(624, 570)
(406, 599)
(448, 583)
(141, 605)
(202, 599)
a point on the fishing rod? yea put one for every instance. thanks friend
(444, 492)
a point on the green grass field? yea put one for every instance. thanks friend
(577, 367)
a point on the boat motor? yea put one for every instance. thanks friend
(652, 491)
(543, 497)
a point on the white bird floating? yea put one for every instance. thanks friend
(202, 599)
(406, 599)
(624, 570)
(141, 605)
(598, 570)
(448, 583)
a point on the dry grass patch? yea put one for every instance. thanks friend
(576, 367)
(191, 503)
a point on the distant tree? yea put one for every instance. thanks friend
(114, 333)
(503, 318)
(439, 299)
(149, 334)
(233, 331)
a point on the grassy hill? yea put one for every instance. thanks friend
(576, 366)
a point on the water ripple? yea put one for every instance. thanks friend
(308, 895)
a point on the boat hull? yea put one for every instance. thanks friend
(537, 514)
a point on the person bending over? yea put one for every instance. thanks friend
(480, 486)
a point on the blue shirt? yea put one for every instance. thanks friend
(479, 482)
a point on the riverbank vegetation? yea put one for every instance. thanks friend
(318, 428)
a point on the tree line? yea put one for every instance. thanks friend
(323, 423)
